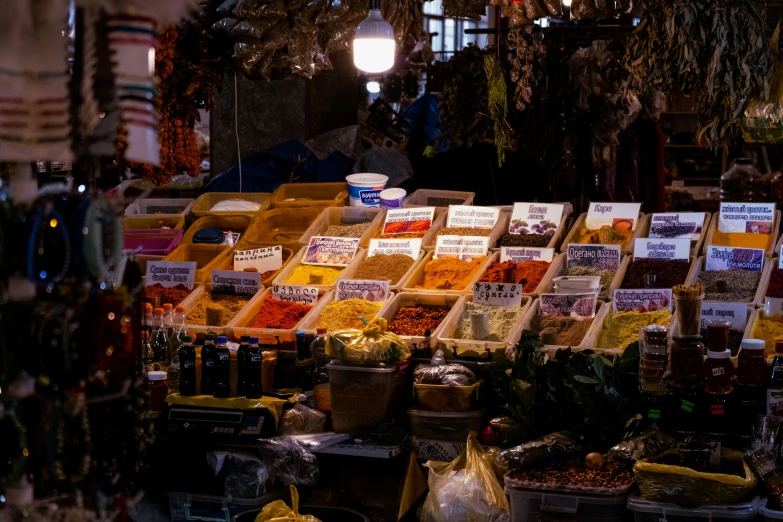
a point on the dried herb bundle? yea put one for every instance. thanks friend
(407, 18)
(714, 50)
(498, 105)
(528, 66)
(464, 99)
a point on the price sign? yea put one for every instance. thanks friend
(407, 247)
(578, 306)
(262, 259)
(612, 214)
(369, 290)
(669, 249)
(307, 295)
(498, 294)
(407, 220)
(330, 251)
(231, 282)
(170, 274)
(472, 217)
(522, 254)
(464, 247)
(754, 218)
(596, 256)
(642, 300)
(535, 218)
(683, 225)
(737, 313)
(732, 258)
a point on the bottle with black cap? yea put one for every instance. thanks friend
(242, 354)
(222, 371)
(253, 386)
(208, 365)
(187, 365)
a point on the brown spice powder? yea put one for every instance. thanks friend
(382, 266)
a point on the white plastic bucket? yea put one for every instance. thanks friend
(393, 198)
(364, 189)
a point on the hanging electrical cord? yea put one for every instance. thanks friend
(236, 130)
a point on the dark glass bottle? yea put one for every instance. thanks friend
(321, 388)
(775, 387)
(208, 365)
(222, 371)
(749, 391)
(242, 354)
(253, 387)
(304, 368)
(187, 367)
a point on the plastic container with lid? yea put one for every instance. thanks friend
(159, 389)
(718, 372)
(448, 426)
(751, 364)
(742, 183)
(654, 356)
(364, 189)
(539, 506)
(650, 511)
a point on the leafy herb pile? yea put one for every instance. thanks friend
(592, 397)
(715, 50)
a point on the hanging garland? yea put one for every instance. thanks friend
(716, 51)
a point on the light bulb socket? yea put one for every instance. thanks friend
(375, 4)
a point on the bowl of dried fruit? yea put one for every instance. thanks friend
(594, 475)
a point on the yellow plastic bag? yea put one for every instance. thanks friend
(278, 511)
(372, 345)
(465, 489)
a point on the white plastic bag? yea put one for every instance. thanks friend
(465, 489)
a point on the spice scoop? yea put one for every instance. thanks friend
(479, 325)
(577, 284)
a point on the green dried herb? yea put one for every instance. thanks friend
(498, 105)
(714, 50)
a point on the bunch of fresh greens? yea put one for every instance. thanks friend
(498, 105)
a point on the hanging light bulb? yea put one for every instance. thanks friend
(373, 44)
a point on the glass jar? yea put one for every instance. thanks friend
(742, 182)
(751, 364)
(654, 348)
(159, 389)
(718, 372)
(685, 365)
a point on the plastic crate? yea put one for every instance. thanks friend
(649, 511)
(540, 506)
(151, 207)
(362, 394)
(190, 302)
(765, 507)
(152, 242)
(202, 207)
(283, 226)
(315, 195)
(442, 398)
(207, 258)
(417, 275)
(415, 299)
(233, 223)
(430, 197)
(152, 222)
(186, 506)
(449, 426)
(346, 216)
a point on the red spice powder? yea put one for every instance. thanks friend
(775, 288)
(532, 272)
(275, 313)
(174, 295)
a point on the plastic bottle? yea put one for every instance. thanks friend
(168, 319)
(253, 384)
(304, 368)
(242, 354)
(147, 355)
(179, 328)
(741, 183)
(320, 375)
(222, 370)
(750, 395)
(146, 318)
(158, 338)
(775, 387)
(208, 365)
(159, 389)
(718, 386)
(187, 360)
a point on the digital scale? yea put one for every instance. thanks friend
(220, 423)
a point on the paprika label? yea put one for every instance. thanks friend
(466, 248)
(262, 259)
(472, 217)
(408, 220)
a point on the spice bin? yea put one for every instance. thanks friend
(755, 316)
(500, 228)
(573, 234)
(206, 257)
(289, 268)
(361, 255)
(202, 207)
(152, 242)
(535, 506)
(768, 252)
(758, 297)
(309, 323)
(696, 246)
(448, 426)
(438, 221)
(649, 511)
(418, 275)
(346, 216)
(233, 223)
(619, 277)
(283, 226)
(288, 254)
(527, 321)
(556, 240)
(478, 349)
(362, 394)
(314, 195)
(243, 323)
(598, 322)
(555, 267)
(153, 207)
(153, 222)
(403, 299)
(438, 198)
(606, 294)
(190, 302)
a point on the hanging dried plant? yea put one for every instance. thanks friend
(715, 50)
(498, 105)
(528, 64)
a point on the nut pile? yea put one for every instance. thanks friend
(575, 472)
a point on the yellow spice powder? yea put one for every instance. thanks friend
(743, 239)
(768, 328)
(228, 304)
(621, 329)
(593, 237)
(339, 315)
(301, 275)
